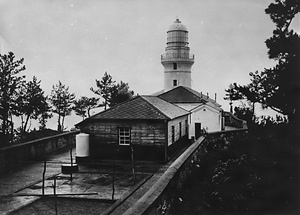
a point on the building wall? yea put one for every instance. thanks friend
(147, 137)
(210, 119)
(142, 133)
(175, 123)
(183, 79)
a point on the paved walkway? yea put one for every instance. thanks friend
(28, 174)
(26, 180)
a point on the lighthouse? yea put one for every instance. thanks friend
(177, 60)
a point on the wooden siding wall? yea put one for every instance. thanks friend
(142, 133)
(175, 123)
(147, 137)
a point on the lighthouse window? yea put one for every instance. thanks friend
(174, 83)
(174, 66)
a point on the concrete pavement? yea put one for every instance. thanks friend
(23, 185)
(28, 174)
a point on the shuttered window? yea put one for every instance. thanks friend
(173, 133)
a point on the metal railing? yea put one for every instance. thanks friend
(177, 55)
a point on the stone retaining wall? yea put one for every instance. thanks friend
(12, 156)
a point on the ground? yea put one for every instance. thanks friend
(91, 187)
(65, 206)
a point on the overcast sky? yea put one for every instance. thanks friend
(77, 41)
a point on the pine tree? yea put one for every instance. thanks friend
(10, 83)
(62, 101)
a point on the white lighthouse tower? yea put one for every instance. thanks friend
(177, 60)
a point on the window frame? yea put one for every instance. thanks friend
(186, 127)
(175, 83)
(124, 136)
(180, 129)
(174, 66)
(173, 133)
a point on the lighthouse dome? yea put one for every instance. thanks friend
(177, 26)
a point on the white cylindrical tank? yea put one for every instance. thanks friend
(82, 145)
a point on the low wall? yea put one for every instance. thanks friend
(160, 197)
(12, 156)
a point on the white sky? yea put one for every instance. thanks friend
(77, 41)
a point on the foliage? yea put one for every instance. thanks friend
(62, 101)
(254, 173)
(83, 106)
(120, 93)
(37, 134)
(44, 117)
(32, 103)
(111, 92)
(245, 112)
(277, 88)
(10, 82)
(105, 86)
(247, 92)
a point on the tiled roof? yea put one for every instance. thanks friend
(183, 94)
(170, 110)
(142, 107)
(203, 96)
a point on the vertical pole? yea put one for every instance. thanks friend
(132, 164)
(43, 186)
(54, 192)
(71, 175)
(113, 176)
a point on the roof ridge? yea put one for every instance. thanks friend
(176, 105)
(169, 91)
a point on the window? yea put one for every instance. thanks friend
(175, 66)
(180, 134)
(173, 134)
(124, 136)
(186, 127)
(174, 83)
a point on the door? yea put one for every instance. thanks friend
(197, 130)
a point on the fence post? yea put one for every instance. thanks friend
(43, 186)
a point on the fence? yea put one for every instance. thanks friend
(13, 156)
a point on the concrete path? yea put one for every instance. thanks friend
(27, 180)
(24, 176)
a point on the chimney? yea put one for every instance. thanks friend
(215, 97)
